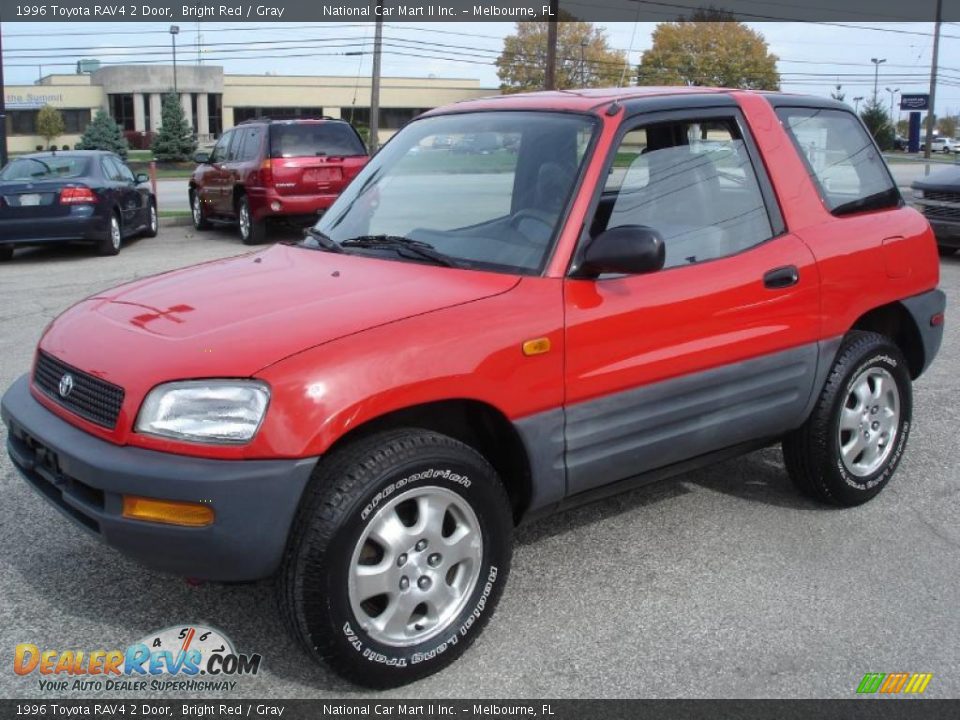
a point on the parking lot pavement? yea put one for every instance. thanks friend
(723, 583)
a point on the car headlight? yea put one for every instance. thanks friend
(210, 411)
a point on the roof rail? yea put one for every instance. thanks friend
(286, 118)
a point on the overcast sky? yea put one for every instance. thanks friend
(814, 57)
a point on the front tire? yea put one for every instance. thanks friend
(851, 444)
(398, 556)
(199, 218)
(153, 222)
(6, 253)
(110, 243)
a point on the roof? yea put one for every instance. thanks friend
(64, 153)
(587, 99)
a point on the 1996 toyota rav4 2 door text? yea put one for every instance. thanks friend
(620, 286)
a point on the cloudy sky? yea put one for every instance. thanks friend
(813, 57)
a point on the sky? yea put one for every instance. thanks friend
(813, 57)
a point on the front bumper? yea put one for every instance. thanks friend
(947, 232)
(254, 501)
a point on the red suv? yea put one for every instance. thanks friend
(629, 284)
(262, 169)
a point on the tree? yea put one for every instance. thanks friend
(104, 134)
(175, 140)
(50, 124)
(947, 126)
(709, 48)
(584, 57)
(877, 120)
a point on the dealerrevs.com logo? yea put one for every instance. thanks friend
(185, 658)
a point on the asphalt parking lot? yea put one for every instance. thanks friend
(723, 583)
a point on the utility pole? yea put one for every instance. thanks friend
(174, 30)
(928, 140)
(550, 79)
(876, 75)
(375, 82)
(3, 108)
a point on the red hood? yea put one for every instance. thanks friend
(233, 317)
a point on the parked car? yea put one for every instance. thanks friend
(82, 195)
(940, 144)
(937, 196)
(274, 169)
(366, 415)
(900, 143)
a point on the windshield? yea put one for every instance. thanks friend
(485, 189)
(45, 168)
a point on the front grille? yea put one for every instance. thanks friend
(945, 212)
(942, 196)
(91, 398)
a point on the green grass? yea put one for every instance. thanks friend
(174, 213)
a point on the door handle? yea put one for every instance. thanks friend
(782, 277)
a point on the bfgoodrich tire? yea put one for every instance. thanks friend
(851, 444)
(397, 558)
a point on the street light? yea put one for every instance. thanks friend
(174, 31)
(876, 75)
(856, 104)
(893, 92)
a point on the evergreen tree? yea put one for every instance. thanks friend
(50, 124)
(104, 134)
(877, 120)
(175, 141)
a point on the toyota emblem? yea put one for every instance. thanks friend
(66, 385)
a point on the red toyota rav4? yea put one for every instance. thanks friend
(630, 283)
(263, 169)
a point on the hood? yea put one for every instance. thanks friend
(946, 180)
(233, 317)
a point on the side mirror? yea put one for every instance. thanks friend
(626, 249)
(201, 158)
(142, 178)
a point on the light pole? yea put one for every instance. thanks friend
(876, 75)
(174, 30)
(583, 67)
(893, 93)
(856, 104)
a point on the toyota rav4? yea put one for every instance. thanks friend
(629, 284)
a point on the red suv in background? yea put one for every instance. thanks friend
(266, 168)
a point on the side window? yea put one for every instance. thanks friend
(109, 171)
(220, 150)
(124, 174)
(842, 159)
(250, 147)
(691, 181)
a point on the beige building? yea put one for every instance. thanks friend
(213, 101)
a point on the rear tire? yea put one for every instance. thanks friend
(946, 251)
(6, 253)
(200, 221)
(252, 232)
(397, 557)
(110, 243)
(850, 446)
(153, 222)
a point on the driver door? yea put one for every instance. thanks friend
(716, 349)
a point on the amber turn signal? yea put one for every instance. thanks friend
(537, 346)
(169, 512)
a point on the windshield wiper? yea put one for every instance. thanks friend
(320, 241)
(400, 243)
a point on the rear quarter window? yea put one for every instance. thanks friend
(313, 139)
(842, 159)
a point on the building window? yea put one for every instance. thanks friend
(390, 118)
(24, 122)
(241, 114)
(121, 110)
(215, 113)
(193, 111)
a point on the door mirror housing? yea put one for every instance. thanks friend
(624, 250)
(142, 178)
(201, 157)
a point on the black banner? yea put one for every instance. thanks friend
(863, 709)
(419, 11)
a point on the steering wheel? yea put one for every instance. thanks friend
(542, 217)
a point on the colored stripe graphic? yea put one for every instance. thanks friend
(893, 683)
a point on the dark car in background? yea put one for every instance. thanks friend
(266, 169)
(937, 196)
(83, 195)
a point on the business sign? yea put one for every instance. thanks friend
(32, 101)
(916, 101)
